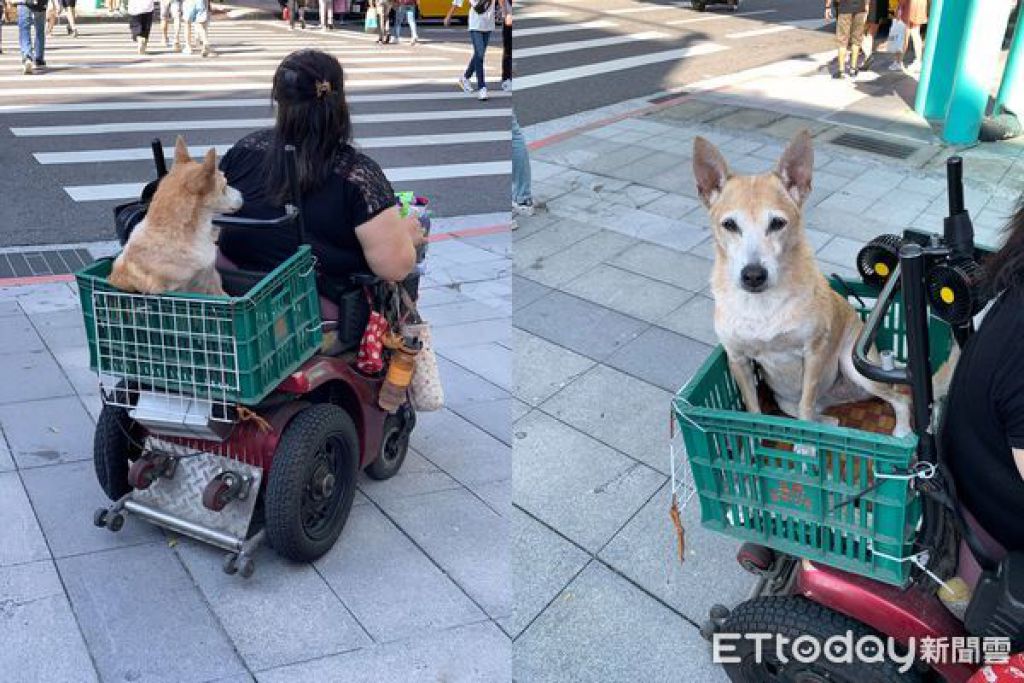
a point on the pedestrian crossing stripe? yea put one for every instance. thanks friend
(572, 46)
(268, 73)
(262, 86)
(174, 66)
(407, 174)
(560, 28)
(94, 156)
(222, 124)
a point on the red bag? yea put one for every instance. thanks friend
(370, 360)
(1011, 671)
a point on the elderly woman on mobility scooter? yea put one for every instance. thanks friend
(286, 455)
(918, 539)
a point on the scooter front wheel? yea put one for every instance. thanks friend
(792, 617)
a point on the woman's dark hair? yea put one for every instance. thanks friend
(1005, 268)
(312, 114)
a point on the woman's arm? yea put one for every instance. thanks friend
(1018, 458)
(389, 244)
(451, 10)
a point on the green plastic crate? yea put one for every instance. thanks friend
(754, 490)
(224, 349)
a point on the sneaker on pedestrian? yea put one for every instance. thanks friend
(167, 42)
(482, 95)
(40, 64)
(506, 85)
(915, 67)
(142, 46)
(838, 75)
(853, 72)
(513, 224)
(465, 84)
(187, 49)
(207, 52)
(896, 66)
(68, 27)
(523, 208)
(414, 41)
(26, 66)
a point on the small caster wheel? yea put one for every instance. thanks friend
(246, 567)
(719, 613)
(116, 522)
(99, 518)
(230, 565)
(708, 630)
(216, 494)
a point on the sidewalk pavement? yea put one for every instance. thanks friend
(417, 587)
(612, 315)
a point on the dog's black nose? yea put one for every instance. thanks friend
(753, 277)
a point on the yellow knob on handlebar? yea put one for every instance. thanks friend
(882, 269)
(947, 295)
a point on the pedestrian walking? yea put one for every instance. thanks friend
(384, 9)
(851, 16)
(3, 20)
(171, 9)
(913, 13)
(522, 192)
(140, 13)
(326, 14)
(70, 10)
(878, 11)
(196, 14)
(405, 9)
(481, 25)
(114, 7)
(506, 44)
(32, 18)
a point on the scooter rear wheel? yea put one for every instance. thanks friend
(794, 616)
(312, 483)
(117, 441)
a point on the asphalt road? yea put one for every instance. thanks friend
(597, 35)
(73, 140)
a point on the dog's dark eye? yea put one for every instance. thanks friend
(730, 225)
(777, 224)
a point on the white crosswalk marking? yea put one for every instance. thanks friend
(760, 31)
(561, 28)
(586, 44)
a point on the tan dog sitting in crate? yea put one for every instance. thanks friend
(174, 248)
(773, 306)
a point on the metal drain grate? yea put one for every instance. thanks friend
(868, 143)
(43, 262)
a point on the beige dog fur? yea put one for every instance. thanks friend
(174, 249)
(773, 306)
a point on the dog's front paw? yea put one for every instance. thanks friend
(899, 431)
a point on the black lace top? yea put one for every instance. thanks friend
(355, 192)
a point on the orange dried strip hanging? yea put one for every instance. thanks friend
(677, 522)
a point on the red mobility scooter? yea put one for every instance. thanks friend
(240, 419)
(850, 533)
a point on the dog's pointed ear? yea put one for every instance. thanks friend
(709, 169)
(210, 162)
(181, 151)
(797, 166)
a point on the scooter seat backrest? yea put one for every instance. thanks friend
(237, 282)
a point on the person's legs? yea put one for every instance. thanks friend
(25, 32)
(521, 192)
(843, 27)
(411, 16)
(396, 29)
(856, 38)
(323, 13)
(474, 38)
(485, 38)
(70, 11)
(914, 35)
(506, 53)
(39, 18)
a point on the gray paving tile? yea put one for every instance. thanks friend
(673, 206)
(480, 652)
(663, 358)
(541, 368)
(462, 312)
(31, 376)
(581, 326)
(41, 640)
(144, 590)
(685, 271)
(694, 319)
(417, 477)
(494, 417)
(284, 613)
(519, 409)
(466, 538)
(602, 628)
(575, 484)
(462, 386)
(543, 563)
(17, 335)
(626, 292)
(553, 238)
(46, 298)
(497, 495)
(492, 361)
(621, 411)
(465, 452)
(525, 292)
(646, 552)
(388, 584)
(47, 432)
(6, 461)
(65, 497)
(9, 307)
(468, 334)
(575, 260)
(61, 329)
(23, 539)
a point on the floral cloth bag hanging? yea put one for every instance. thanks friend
(426, 393)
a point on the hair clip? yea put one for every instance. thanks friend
(323, 88)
